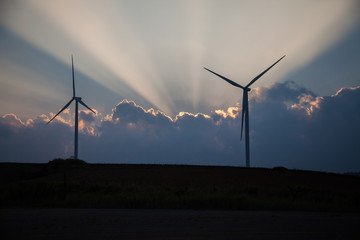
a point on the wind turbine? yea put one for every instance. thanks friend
(77, 101)
(245, 107)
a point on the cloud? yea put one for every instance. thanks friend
(33, 141)
(313, 133)
(150, 136)
(288, 91)
(87, 122)
(289, 126)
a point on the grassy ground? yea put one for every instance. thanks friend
(80, 185)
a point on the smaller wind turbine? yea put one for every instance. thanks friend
(245, 107)
(77, 101)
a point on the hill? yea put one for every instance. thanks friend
(80, 185)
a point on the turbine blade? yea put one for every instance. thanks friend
(61, 110)
(226, 79)
(82, 103)
(242, 116)
(260, 75)
(73, 78)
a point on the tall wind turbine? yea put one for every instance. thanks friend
(77, 101)
(245, 107)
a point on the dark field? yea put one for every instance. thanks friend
(95, 201)
(174, 187)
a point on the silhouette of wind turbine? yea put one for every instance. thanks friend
(245, 106)
(77, 101)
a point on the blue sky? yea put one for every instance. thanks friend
(152, 53)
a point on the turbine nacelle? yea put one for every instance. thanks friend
(77, 99)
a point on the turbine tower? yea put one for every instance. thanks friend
(77, 101)
(245, 107)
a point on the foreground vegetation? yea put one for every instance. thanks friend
(75, 184)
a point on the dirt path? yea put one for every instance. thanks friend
(175, 224)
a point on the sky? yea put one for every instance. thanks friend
(139, 64)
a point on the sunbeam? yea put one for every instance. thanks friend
(158, 48)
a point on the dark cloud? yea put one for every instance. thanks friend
(86, 116)
(287, 91)
(133, 134)
(33, 141)
(315, 133)
(290, 127)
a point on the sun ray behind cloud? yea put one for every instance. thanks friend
(158, 48)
